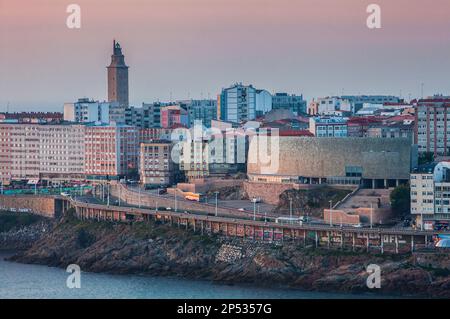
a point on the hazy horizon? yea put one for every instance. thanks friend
(194, 48)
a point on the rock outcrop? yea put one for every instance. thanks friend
(156, 249)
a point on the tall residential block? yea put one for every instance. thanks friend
(237, 104)
(433, 126)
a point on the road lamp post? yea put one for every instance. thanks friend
(175, 195)
(108, 196)
(371, 215)
(139, 196)
(216, 193)
(290, 210)
(331, 213)
(120, 186)
(254, 208)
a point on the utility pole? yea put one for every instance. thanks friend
(175, 195)
(254, 208)
(216, 193)
(371, 215)
(108, 196)
(290, 210)
(120, 186)
(139, 196)
(331, 212)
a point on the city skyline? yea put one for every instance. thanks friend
(315, 48)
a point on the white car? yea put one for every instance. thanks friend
(359, 225)
(65, 194)
(241, 210)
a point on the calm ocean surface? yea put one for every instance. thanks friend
(33, 281)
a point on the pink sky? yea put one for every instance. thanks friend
(196, 47)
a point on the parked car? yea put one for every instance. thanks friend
(359, 225)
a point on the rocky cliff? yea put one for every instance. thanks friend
(20, 231)
(156, 249)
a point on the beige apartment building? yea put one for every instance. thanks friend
(156, 165)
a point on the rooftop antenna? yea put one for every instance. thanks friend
(421, 89)
(7, 107)
(170, 96)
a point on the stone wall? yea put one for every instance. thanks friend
(339, 216)
(40, 205)
(361, 214)
(379, 216)
(205, 185)
(270, 192)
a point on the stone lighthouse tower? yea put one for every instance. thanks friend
(118, 77)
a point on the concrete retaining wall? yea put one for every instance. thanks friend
(40, 205)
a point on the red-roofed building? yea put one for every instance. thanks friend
(32, 117)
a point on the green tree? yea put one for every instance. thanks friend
(426, 158)
(84, 238)
(401, 200)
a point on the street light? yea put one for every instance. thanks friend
(120, 186)
(254, 208)
(371, 215)
(108, 195)
(175, 195)
(290, 210)
(216, 193)
(139, 196)
(331, 211)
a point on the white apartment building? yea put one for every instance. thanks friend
(66, 152)
(33, 151)
(328, 126)
(333, 106)
(156, 164)
(237, 104)
(86, 111)
(430, 195)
